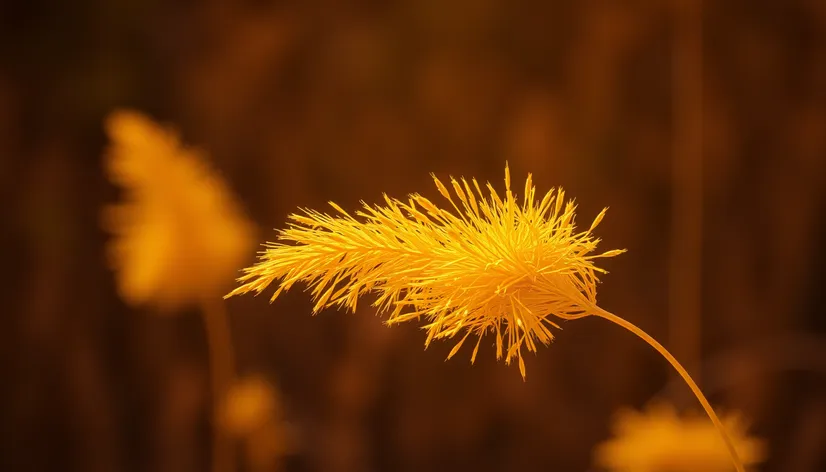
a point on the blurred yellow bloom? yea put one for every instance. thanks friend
(180, 236)
(250, 404)
(659, 440)
(252, 412)
(492, 265)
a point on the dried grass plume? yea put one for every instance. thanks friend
(491, 264)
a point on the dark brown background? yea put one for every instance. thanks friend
(304, 102)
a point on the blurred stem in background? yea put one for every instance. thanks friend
(222, 372)
(685, 277)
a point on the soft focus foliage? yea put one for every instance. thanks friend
(659, 440)
(493, 265)
(180, 235)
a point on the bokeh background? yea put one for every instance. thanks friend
(703, 127)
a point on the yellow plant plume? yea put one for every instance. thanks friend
(488, 265)
(492, 266)
(659, 440)
(180, 236)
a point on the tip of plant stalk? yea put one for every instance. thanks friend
(233, 293)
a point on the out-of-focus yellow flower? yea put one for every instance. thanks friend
(660, 440)
(250, 404)
(494, 265)
(179, 237)
(252, 413)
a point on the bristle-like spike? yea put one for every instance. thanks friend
(458, 189)
(458, 346)
(440, 186)
(598, 219)
(475, 350)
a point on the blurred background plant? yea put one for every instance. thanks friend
(252, 413)
(660, 440)
(179, 237)
(300, 103)
(178, 241)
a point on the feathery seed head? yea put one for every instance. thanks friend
(489, 265)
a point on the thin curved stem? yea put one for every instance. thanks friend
(222, 371)
(738, 464)
(793, 352)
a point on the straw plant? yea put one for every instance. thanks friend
(487, 265)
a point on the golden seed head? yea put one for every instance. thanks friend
(179, 235)
(489, 264)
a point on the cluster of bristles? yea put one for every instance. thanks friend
(492, 265)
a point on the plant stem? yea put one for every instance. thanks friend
(683, 373)
(221, 366)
